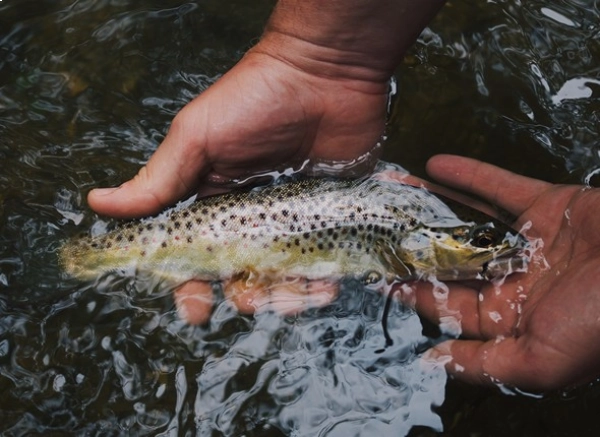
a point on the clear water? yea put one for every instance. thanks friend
(87, 90)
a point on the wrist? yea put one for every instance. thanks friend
(323, 61)
(345, 39)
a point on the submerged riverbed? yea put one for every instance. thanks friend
(87, 92)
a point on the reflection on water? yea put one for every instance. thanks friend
(87, 89)
(497, 80)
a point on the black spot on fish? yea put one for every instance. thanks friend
(164, 244)
(222, 208)
(170, 230)
(189, 225)
(189, 239)
(119, 237)
(149, 226)
(223, 222)
(306, 235)
(285, 212)
(242, 220)
(262, 216)
(131, 238)
(177, 225)
(353, 232)
(320, 246)
(185, 214)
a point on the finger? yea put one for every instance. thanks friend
(501, 187)
(194, 302)
(285, 297)
(502, 361)
(484, 312)
(452, 307)
(405, 178)
(172, 173)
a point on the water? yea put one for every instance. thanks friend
(87, 90)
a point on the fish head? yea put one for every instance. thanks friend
(466, 251)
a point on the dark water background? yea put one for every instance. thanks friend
(87, 91)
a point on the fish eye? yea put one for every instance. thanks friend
(484, 237)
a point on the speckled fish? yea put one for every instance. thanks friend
(369, 229)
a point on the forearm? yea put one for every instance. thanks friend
(357, 39)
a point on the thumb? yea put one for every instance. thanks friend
(172, 172)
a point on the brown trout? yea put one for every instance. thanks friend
(369, 229)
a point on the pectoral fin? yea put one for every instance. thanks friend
(395, 266)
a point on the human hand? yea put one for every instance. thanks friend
(537, 330)
(263, 115)
(314, 88)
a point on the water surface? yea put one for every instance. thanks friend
(87, 91)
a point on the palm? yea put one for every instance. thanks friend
(538, 329)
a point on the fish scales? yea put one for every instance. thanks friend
(314, 228)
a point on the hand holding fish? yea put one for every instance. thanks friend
(539, 330)
(313, 91)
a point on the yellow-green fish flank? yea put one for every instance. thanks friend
(315, 228)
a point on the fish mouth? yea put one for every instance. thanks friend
(504, 266)
(510, 262)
